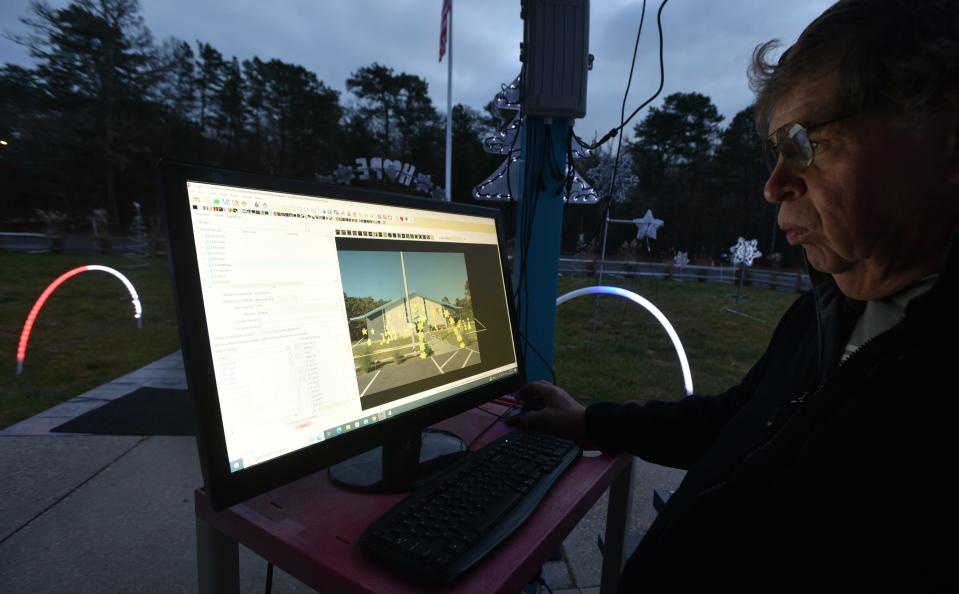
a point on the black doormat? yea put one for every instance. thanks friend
(146, 411)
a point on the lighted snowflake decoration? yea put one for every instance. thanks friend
(343, 174)
(423, 182)
(744, 252)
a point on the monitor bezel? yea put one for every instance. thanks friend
(227, 488)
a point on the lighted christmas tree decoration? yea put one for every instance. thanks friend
(580, 192)
(580, 149)
(35, 310)
(509, 96)
(501, 184)
(138, 234)
(505, 140)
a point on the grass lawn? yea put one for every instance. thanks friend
(85, 334)
(631, 357)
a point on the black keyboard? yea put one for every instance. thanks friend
(443, 528)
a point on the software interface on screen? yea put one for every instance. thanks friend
(326, 315)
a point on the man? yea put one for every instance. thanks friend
(829, 467)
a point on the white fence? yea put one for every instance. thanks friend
(778, 280)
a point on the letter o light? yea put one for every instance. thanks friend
(607, 290)
(35, 310)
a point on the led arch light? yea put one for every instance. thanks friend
(607, 290)
(35, 311)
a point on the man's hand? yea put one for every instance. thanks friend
(550, 409)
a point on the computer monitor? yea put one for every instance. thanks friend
(318, 322)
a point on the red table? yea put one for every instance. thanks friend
(311, 528)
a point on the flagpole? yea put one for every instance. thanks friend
(449, 107)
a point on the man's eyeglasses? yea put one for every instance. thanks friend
(792, 142)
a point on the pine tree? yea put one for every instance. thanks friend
(95, 70)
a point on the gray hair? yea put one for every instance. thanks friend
(897, 56)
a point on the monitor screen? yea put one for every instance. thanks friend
(327, 312)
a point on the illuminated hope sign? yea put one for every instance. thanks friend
(35, 311)
(380, 169)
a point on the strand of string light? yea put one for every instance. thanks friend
(662, 78)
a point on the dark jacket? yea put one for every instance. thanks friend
(810, 476)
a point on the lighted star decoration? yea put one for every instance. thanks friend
(647, 226)
(744, 252)
(681, 259)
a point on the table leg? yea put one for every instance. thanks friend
(617, 526)
(217, 560)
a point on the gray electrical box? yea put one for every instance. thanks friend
(556, 53)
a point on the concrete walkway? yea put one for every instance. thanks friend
(103, 514)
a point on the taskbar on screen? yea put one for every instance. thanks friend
(399, 409)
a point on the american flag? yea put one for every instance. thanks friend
(444, 17)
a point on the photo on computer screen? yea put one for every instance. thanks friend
(410, 316)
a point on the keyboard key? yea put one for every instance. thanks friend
(466, 515)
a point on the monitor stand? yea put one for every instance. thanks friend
(400, 465)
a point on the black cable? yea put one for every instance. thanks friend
(530, 204)
(497, 419)
(542, 582)
(619, 142)
(622, 110)
(662, 78)
(519, 244)
(528, 208)
(554, 167)
(511, 209)
(819, 331)
(570, 161)
(496, 414)
(269, 577)
(489, 412)
(532, 210)
(623, 121)
(522, 224)
(552, 372)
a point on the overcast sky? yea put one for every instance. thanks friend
(431, 274)
(707, 43)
